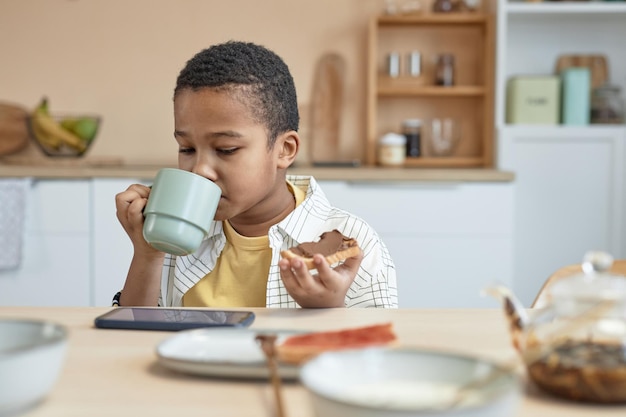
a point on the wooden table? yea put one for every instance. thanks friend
(114, 373)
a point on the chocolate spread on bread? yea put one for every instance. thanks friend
(329, 243)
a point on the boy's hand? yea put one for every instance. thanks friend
(327, 288)
(142, 284)
(130, 205)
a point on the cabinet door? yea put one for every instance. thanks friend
(113, 250)
(450, 271)
(448, 241)
(55, 265)
(568, 198)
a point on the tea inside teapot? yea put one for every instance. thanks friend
(583, 370)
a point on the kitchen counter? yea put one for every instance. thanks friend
(80, 170)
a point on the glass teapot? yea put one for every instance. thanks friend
(575, 347)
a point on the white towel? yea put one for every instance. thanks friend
(13, 196)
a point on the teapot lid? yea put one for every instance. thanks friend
(596, 282)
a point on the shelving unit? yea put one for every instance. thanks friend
(470, 38)
(532, 35)
(570, 187)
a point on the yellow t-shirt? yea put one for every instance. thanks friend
(239, 278)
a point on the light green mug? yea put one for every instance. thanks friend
(180, 210)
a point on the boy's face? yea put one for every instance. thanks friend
(218, 139)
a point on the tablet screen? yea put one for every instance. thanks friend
(161, 318)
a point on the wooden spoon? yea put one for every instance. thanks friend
(268, 346)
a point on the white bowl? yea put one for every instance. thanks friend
(387, 382)
(31, 357)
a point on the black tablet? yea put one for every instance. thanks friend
(171, 319)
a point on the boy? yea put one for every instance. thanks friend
(236, 121)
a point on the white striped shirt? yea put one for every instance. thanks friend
(375, 282)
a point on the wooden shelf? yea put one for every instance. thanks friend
(445, 162)
(387, 87)
(565, 8)
(470, 37)
(564, 130)
(433, 19)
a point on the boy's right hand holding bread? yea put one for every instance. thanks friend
(328, 287)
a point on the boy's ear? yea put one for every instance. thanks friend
(288, 144)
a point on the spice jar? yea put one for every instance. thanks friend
(392, 150)
(607, 105)
(414, 64)
(444, 71)
(443, 6)
(393, 64)
(412, 131)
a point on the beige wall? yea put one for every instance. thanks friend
(120, 58)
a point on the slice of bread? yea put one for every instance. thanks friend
(333, 245)
(299, 348)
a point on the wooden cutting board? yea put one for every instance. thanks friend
(14, 135)
(597, 64)
(325, 108)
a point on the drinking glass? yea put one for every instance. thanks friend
(443, 136)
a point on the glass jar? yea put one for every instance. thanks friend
(443, 6)
(414, 64)
(393, 64)
(392, 150)
(412, 131)
(444, 71)
(443, 136)
(607, 105)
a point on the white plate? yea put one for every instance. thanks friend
(223, 352)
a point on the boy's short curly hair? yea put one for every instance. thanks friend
(254, 74)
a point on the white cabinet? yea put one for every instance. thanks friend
(113, 250)
(569, 198)
(55, 268)
(570, 193)
(448, 240)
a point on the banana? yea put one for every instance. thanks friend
(43, 137)
(50, 132)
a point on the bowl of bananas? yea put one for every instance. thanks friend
(68, 135)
